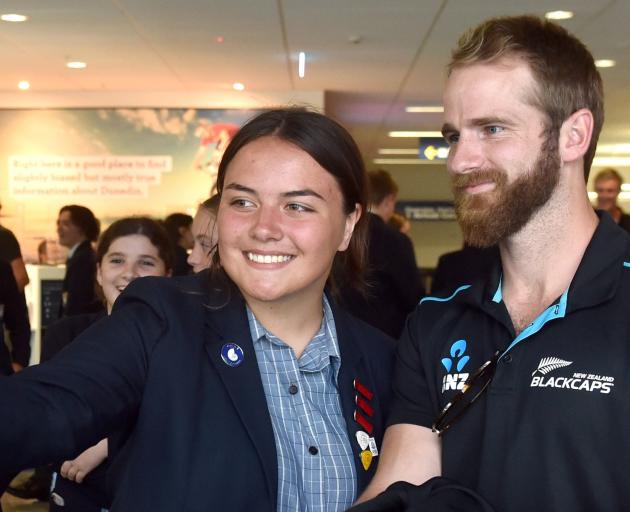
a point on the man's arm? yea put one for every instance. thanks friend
(19, 271)
(409, 453)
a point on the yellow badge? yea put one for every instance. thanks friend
(366, 459)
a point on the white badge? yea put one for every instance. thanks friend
(363, 439)
(373, 448)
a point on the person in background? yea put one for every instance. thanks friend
(77, 228)
(130, 248)
(178, 227)
(400, 222)
(394, 281)
(204, 234)
(14, 322)
(608, 186)
(516, 387)
(461, 268)
(11, 253)
(259, 394)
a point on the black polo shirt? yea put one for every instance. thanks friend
(552, 432)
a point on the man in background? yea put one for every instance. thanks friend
(394, 281)
(608, 186)
(11, 253)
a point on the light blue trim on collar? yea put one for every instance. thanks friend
(626, 264)
(446, 299)
(553, 312)
(498, 295)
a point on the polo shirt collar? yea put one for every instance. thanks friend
(595, 281)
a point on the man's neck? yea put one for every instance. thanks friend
(539, 262)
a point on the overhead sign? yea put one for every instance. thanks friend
(432, 148)
(427, 210)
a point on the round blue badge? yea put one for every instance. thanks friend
(232, 354)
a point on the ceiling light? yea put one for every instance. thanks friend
(405, 161)
(415, 135)
(23, 85)
(605, 63)
(385, 151)
(559, 15)
(76, 64)
(301, 64)
(238, 86)
(623, 196)
(613, 149)
(13, 18)
(220, 39)
(424, 109)
(611, 161)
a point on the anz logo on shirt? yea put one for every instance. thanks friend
(455, 364)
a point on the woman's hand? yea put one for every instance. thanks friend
(77, 469)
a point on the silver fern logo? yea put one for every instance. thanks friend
(548, 364)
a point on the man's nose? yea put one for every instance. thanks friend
(465, 155)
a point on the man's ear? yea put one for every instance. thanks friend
(575, 135)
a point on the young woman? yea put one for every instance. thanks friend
(130, 248)
(258, 394)
(204, 233)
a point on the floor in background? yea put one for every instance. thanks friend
(13, 504)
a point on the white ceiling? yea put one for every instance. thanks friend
(370, 57)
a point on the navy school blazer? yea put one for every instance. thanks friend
(197, 432)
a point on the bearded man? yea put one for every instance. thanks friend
(531, 428)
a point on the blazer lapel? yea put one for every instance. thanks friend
(351, 370)
(243, 383)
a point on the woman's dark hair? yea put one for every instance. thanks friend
(174, 222)
(84, 219)
(332, 147)
(150, 228)
(212, 204)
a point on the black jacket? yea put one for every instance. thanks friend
(394, 281)
(200, 435)
(13, 317)
(78, 292)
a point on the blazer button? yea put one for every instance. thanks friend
(507, 359)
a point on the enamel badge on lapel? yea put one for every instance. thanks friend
(364, 411)
(363, 439)
(232, 354)
(366, 459)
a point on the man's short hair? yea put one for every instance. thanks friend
(609, 174)
(84, 219)
(563, 68)
(381, 184)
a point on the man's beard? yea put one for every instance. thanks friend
(490, 217)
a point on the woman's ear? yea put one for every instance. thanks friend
(575, 135)
(351, 221)
(99, 276)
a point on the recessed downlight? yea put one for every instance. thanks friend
(76, 64)
(301, 64)
(605, 63)
(559, 15)
(413, 134)
(13, 18)
(424, 109)
(238, 86)
(24, 85)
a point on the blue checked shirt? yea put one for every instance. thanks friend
(316, 471)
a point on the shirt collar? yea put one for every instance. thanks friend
(322, 350)
(598, 274)
(73, 249)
